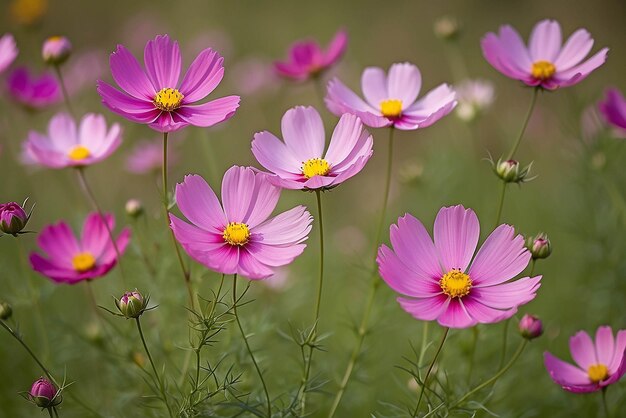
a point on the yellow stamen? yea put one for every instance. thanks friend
(391, 108)
(83, 262)
(168, 99)
(315, 167)
(455, 283)
(236, 233)
(543, 70)
(597, 372)
(79, 152)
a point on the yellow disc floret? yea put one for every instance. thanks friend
(455, 284)
(236, 233)
(315, 167)
(597, 372)
(391, 108)
(79, 152)
(83, 262)
(543, 70)
(168, 99)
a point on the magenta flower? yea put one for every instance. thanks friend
(73, 260)
(13, 218)
(300, 161)
(436, 276)
(240, 238)
(33, 92)
(8, 51)
(597, 365)
(155, 96)
(147, 157)
(390, 100)
(67, 146)
(44, 394)
(307, 59)
(614, 108)
(545, 62)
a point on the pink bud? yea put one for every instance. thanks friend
(13, 218)
(530, 327)
(56, 49)
(44, 394)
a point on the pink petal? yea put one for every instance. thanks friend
(512, 43)
(579, 72)
(485, 314)
(251, 267)
(545, 41)
(193, 239)
(136, 110)
(582, 350)
(274, 256)
(563, 373)
(575, 50)
(415, 248)
(55, 272)
(95, 236)
(163, 61)
(614, 108)
(619, 354)
(288, 228)
(335, 49)
(203, 76)
(274, 155)
(62, 132)
(427, 309)
(238, 192)
(456, 234)
(209, 113)
(108, 260)
(374, 86)
(303, 132)
(456, 316)
(404, 83)
(168, 122)
(340, 97)
(128, 74)
(508, 295)
(59, 242)
(197, 201)
(605, 345)
(348, 142)
(403, 279)
(263, 201)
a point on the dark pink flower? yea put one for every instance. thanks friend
(613, 107)
(44, 394)
(31, 91)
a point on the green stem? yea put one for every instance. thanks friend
(472, 354)
(430, 369)
(494, 378)
(66, 96)
(604, 404)
(318, 83)
(500, 204)
(505, 336)
(374, 284)
(525, 124)
(424, 342)
(156, 374)
(532, 267)
(56, 412)
(245, 340)
(29, 351)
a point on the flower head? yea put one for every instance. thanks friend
(614, 108)
(598, 364)
(238, 236)
(539, 246)
(157, 97)
(441, 282)
(474, 96)
(300, 161)
(8, 51)
(132, 304)
(545, 62)
(56, 50)
(66, 145)
(147, 157)
(33, 92)
(71, 260)
(44, 394)
(13, 218)
(390, 100)
(307, 59)
(530, 327)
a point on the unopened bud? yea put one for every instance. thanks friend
(132, 304)
(44, 394)
(5, 311)
(530, 327)
(13, 218)
(539, 246)
(134, 208)
(447, 28)
(56, 50)
(510, 171)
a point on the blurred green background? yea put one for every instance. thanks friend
(577, 199)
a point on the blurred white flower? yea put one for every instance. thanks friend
(474, 97)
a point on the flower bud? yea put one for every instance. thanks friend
(44, 394)
(134, 208)
(56, 50)
(539, 246)
(5, 311)
(132, 304)
(530, 327)
(13, 218)
(510, 171)
(447, 28)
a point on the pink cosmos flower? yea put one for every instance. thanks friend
(65, 145)
(307, 59)
(390, 100)
(614, 108)
(147, 157)
(8, 51)
(240, 238)
(31, 91)
(155, 96)
(439, 279)
(73, 260)
(300, 161)
(597, 365)
(545, 62)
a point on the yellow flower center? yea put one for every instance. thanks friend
(79, 152)
(315, 167)
(597, 372)
(391, 108)
(236, 233)
(168, 99)
(543, 70)
(455, 283)
(83, 262)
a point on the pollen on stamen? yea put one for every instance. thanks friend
(597, 372)
(455, 284)
(168, 99)
(83, 262)
(315, 167)
(79, 152)
(391, 108)
(543, 70)
(236, 233)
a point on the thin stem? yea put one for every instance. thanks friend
(604, 404)
(19, 339)
(472, 354)
(50, 412)
(185, 271)
(532, 267)
(66, 96)
(500, 204)
(430, 369)
(56, 412)
(245, 340)
(374, 284)
(424, 342)
(494, 377)
(318, 83)
(156, 374)
(525, 124)
(505, 336)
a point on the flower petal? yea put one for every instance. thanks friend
(128, 74)
(415, 248)
(403, 279)
(456, 234)
(582, 350)
(163, 61)
(348, 137)
(335, 49)
(563, 373)
(545, 41)
(303, 132)
(427, 309)
(456, 316)
(575, 50)
(508, 295)
(135, 110)
(404, 83)
(374, 86)
(197, 201)
(274, 155)
(203, 76)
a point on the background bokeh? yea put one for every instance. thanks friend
(577, 198)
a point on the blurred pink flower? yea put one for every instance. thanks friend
(82, 70)
(307, 59)
(253, 76)
(147, 157)
(597, 365)
(300, 162)
(8, 51)
(154, 96)
(239, 239)
(65, 145)
(391, 99)
(436, 276)
(33, 92)
(546, 62)
(71, 260)
(614, 108)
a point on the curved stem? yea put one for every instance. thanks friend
(525, 123)
(56, 412)
(500, 204)
(430, 369)
(245, 340)
(66, 96)
(494, 377)
(374, 284)
(156, 374)
(604, 404)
